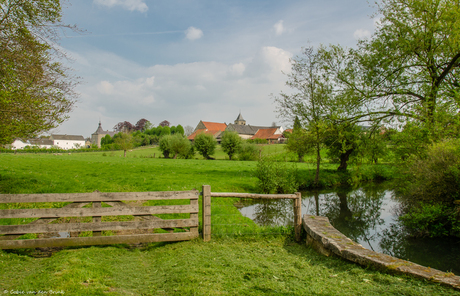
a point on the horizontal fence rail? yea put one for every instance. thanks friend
(206, 207)
(144, 218)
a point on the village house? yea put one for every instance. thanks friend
(213, 128)
(58, 141)
(272, 134)
(68, 141)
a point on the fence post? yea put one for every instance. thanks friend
(206, 211)
(298, 216)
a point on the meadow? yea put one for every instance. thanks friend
(237, 263)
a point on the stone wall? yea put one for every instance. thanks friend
(322, 236)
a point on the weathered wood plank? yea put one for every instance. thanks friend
(43, 220)
(194, 216)
(298, 216)
(89, 212)
(253, 195)
(98, 226)
(96, 219)
(98, 196)
(206, 212)
(98, 240)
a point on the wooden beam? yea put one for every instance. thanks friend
(98, 196)
(97, 226)
(298, 216)
(89, 212)
(254, 195)
(98, 240)
(206, 212)
(43, 220)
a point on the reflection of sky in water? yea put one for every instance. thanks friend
(368, 216)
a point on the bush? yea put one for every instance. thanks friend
(431, 190)
(176, 145)
(432, 220)
(205, 144)
(276, 177)
(248, 151)
(231, 143)
(258, 141)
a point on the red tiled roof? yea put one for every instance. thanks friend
(215, 133)
(267, 133)
(215, 126)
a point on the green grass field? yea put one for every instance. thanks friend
(229, 265)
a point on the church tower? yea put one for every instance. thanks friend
(240, 120)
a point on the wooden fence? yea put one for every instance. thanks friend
(144, 218)
(206, 208)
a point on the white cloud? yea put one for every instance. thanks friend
(361, 34)
(105, 87)
(184, 93)
(130, 5)
(279, 28)
(193, 33)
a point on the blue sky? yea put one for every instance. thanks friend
(189, 60)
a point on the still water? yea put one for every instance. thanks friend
(367, 215)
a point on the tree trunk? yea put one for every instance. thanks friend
(124, 153)
(318, 161)
(344, 160)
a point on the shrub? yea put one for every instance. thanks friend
(231, 143)
(276, 177)
(248, 151)
(176, 145)
(431, 190)
(205, 144)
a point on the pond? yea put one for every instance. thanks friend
(367, 215)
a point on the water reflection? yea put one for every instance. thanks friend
(369, 216)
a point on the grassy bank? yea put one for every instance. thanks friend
(237, 266)
(231, 265)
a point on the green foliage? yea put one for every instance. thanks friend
(432, 220)
(106, 140)
(343, 141)
(412, 141)
(231, 143)
(257, 141)
(124, 141)
(37, 90)
(431, 187)
(275, 176)
(180, 130)
(176, 145)
(165, 130)
(205, 144)
(300, 142)
(248, 151)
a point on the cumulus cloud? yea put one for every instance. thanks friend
(193, 33)
(130, 5)
(183, 93)
(279, 27)
(361, 34)
(104, 87)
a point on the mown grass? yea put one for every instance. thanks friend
(230, 264)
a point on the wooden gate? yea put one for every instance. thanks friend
(103, 205)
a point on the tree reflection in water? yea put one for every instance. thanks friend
(273, 212)
(356, 213)
(369, 216)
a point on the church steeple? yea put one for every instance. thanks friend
(240, 120)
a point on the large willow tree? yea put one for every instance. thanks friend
(36, 91)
